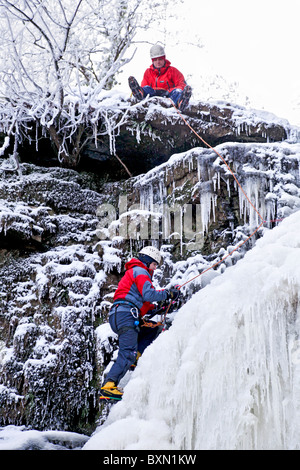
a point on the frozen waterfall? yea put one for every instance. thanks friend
(227, 373)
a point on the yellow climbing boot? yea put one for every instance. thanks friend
(110, 390)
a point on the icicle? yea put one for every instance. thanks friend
(228, 187)
(205, 201)
(214, 180)
(181, 230)
(199, 169)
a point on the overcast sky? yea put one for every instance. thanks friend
(254, 44)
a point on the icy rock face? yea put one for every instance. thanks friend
(266, 174)
(198, 213)
(51, 293)
(153, 131)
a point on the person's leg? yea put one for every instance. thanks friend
(126, 355)
(136, 89)
(148, 90)
(185, 98)
(175, 95)
(146, 336)
(122, 323)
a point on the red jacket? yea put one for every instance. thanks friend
(166, 78)
(136, 287)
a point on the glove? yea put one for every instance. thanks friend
(173, 294)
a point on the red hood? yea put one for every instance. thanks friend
(136, 262)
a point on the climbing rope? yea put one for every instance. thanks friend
(163, 319)
(235, 178)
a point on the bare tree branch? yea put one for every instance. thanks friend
(59, 57)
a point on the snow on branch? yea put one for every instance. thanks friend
(56, 60)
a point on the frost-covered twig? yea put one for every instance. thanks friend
(59, 57)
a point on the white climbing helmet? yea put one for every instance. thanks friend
(157, 51)
(152, 252)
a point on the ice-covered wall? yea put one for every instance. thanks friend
(226, 375)
(268, 174)
(52, 289)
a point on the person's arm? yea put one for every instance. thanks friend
(178, 79)
(146, 79)
(150, 294)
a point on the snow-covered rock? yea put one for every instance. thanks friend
(148, 133)
(52, 287)
(20, 438)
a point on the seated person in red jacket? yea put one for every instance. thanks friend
(161, 79)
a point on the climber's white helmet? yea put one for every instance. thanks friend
(153, 252)
(157, 51)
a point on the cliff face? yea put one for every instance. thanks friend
(51, 287)
(153, 131)
(64, 237)
(146, 134)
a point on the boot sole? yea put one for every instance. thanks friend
(109, 398)
(135, 88)
(185, 98)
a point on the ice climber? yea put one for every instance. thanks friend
(161, 79)
(132, 300)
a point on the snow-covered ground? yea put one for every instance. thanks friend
(227, 374)
(19, 438)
